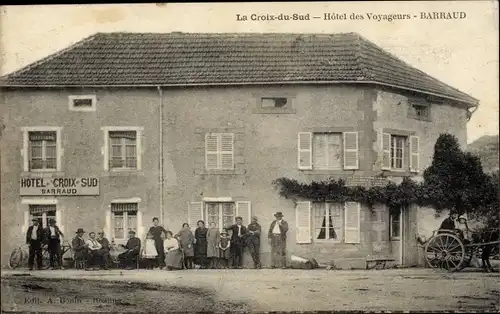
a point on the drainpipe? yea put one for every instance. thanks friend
(160, 125)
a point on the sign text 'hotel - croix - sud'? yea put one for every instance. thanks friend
(62, 186)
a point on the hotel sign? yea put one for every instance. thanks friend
(59, 186)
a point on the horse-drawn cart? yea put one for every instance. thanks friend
(448, 249)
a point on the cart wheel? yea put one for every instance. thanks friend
(16, 258)
(445, 251)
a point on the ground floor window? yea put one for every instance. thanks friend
(328, 221)
(222, 214)
(43, 213)
(395, 225)
(124, 219)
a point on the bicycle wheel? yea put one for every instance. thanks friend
(16, 258)
(45, 259)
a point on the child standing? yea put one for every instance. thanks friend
(149, 252)
(224, 253)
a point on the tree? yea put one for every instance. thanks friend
(455, 179)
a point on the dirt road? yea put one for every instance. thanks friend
(251, 290)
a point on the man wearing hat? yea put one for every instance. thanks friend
(253, 241)
(35, 238)
(277, 239)
(133, 247)
(53, 236)
(237, 240)
(79, 247)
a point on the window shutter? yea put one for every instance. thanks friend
(195, 213)
(352, 222)
(244, 210)
(351, 159)
(305, 150)
(386, 151)
(227, 151)
(414, 154)
(303, 222)
(211, 151)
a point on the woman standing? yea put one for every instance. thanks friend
(157, 231)
(200, 246)
(186, 240)
(174, 255)
(213, 237)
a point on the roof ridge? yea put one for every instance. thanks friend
(51, 56)
(383, 51)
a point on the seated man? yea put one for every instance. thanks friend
(449, 224)
(79, 249)
(104, 251)
(95, 256)
(133, 246)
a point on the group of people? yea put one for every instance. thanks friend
(205, 248)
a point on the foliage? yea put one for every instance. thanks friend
(454, 180)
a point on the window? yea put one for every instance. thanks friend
(328, 222)
(124, 216)
(82, 102)
(273, 102)
(395, 225)
(222, 214)
(42, 150)
(421, 111)
(328, 151)
(400, 153)
(219, 151)
(398, 144)
(43, 213)
(123, 149)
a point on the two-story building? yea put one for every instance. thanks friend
(123, 127)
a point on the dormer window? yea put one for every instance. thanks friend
(82, 102)
(419, 110)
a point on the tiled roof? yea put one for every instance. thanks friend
(126, 59)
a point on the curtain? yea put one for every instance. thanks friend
(123, 207)
(123, 134)
(322, 233)
(42, 136)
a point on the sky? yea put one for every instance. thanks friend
(460, 52)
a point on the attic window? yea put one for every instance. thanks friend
(419, 110)
(275, 102)
(82, 102)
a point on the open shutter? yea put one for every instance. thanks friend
(195, 213)
(386, 151)
(227, 151)
(352, 222)
(414, 154)
(244, 210)
(305, 150)
(211, 151)
(351, 159)
(303, 222)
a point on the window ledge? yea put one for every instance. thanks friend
(395, 173)
(42, 174)
(274, 111)
(395, 239)
(415, 117)
(122, 173)
(220, 172)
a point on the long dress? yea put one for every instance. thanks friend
(173, 258)
(200, 248)
(213, 237)
(186, 240)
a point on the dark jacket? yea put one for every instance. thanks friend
(283, 229)
(40, 234)
(79, 249)
(133, 244)
(234, 237)
(59, 234)
(105, 244)
(448, 224)
(255, 237)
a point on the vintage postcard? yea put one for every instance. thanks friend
(250, 157)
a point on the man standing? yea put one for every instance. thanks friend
(34, 238)
(104, 251)
(133, 247)
(238, 233)
(253, 241)
(158, 233)
(80, 248)
(277, 239)
(54, 235)
(94, 252)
